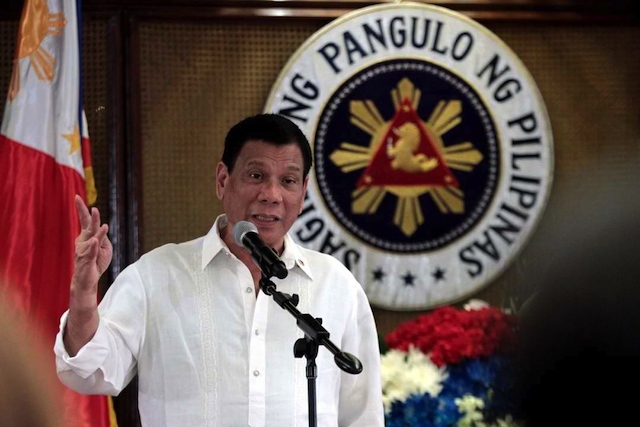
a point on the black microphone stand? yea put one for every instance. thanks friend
(314, 336)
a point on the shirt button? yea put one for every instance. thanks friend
(256, 373)
(257, 332)
(249, 290)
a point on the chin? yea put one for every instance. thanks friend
(272, 239)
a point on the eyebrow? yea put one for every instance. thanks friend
(294, 168)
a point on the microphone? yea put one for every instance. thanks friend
(246, 235)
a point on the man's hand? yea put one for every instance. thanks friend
(93, 255)
(93, 249)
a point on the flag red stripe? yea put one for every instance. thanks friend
(38, 227)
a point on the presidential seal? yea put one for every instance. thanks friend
(433, 153)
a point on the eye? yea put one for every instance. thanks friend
(255, 175)
(290, 181)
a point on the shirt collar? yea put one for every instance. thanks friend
(213, 245)
(292, 256)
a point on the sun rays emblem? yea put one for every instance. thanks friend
(432, 151)
(36, 24)
(407, 157)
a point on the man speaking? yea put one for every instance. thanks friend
(189, 319)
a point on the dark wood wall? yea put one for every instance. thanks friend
(164, 79)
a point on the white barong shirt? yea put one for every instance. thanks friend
(207, 352)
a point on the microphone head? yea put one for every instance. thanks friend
(241, 228)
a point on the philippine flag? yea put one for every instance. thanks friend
(45, 161)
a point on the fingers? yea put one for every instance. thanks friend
(87, 251)
(89, 220)
(88, 248)
(101, 235)
(87, 245)
(94, 227)
(83, 213)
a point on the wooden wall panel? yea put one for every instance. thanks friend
(196, 81)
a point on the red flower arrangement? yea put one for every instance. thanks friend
(450, 335)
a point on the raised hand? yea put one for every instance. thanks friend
(93, 255)
(93, 252)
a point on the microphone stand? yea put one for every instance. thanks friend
(314, 336)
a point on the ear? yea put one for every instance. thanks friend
(222, 175)
(304, 193)
(306, 183)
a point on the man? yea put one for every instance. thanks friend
(209, 348)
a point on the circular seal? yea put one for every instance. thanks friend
(433, 152)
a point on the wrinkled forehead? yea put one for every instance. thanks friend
(265, 153)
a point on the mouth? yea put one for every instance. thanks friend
(265, 218)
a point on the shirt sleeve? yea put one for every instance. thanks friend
(361, 394)
(107, 363)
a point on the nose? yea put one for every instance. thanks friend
(270, 192)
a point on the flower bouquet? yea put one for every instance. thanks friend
(450, 367)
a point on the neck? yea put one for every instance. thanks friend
(241, 253)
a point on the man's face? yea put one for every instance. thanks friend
(266, 188)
